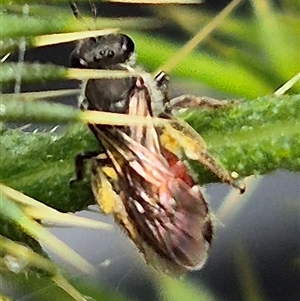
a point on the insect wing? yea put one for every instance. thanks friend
(166, 207)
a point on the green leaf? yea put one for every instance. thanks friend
(42, 164)
(252, 137)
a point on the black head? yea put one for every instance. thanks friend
(102, 52)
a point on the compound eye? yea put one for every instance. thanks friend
(93, 40)
(127, 44)
(110, 53)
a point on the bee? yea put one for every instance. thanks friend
(142, 178)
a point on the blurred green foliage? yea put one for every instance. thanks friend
(250, 55)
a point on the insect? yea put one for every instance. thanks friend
(141, 177)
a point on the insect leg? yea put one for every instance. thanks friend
(93, 10)
(162, 82)
(196, 102)
(104, 192)
(80, 164)
(186, 101)
(180, 136)
(207, 160)
(75, 10)
(108, 198)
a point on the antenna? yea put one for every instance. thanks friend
(76, 11)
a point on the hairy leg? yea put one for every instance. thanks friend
(80, 163)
